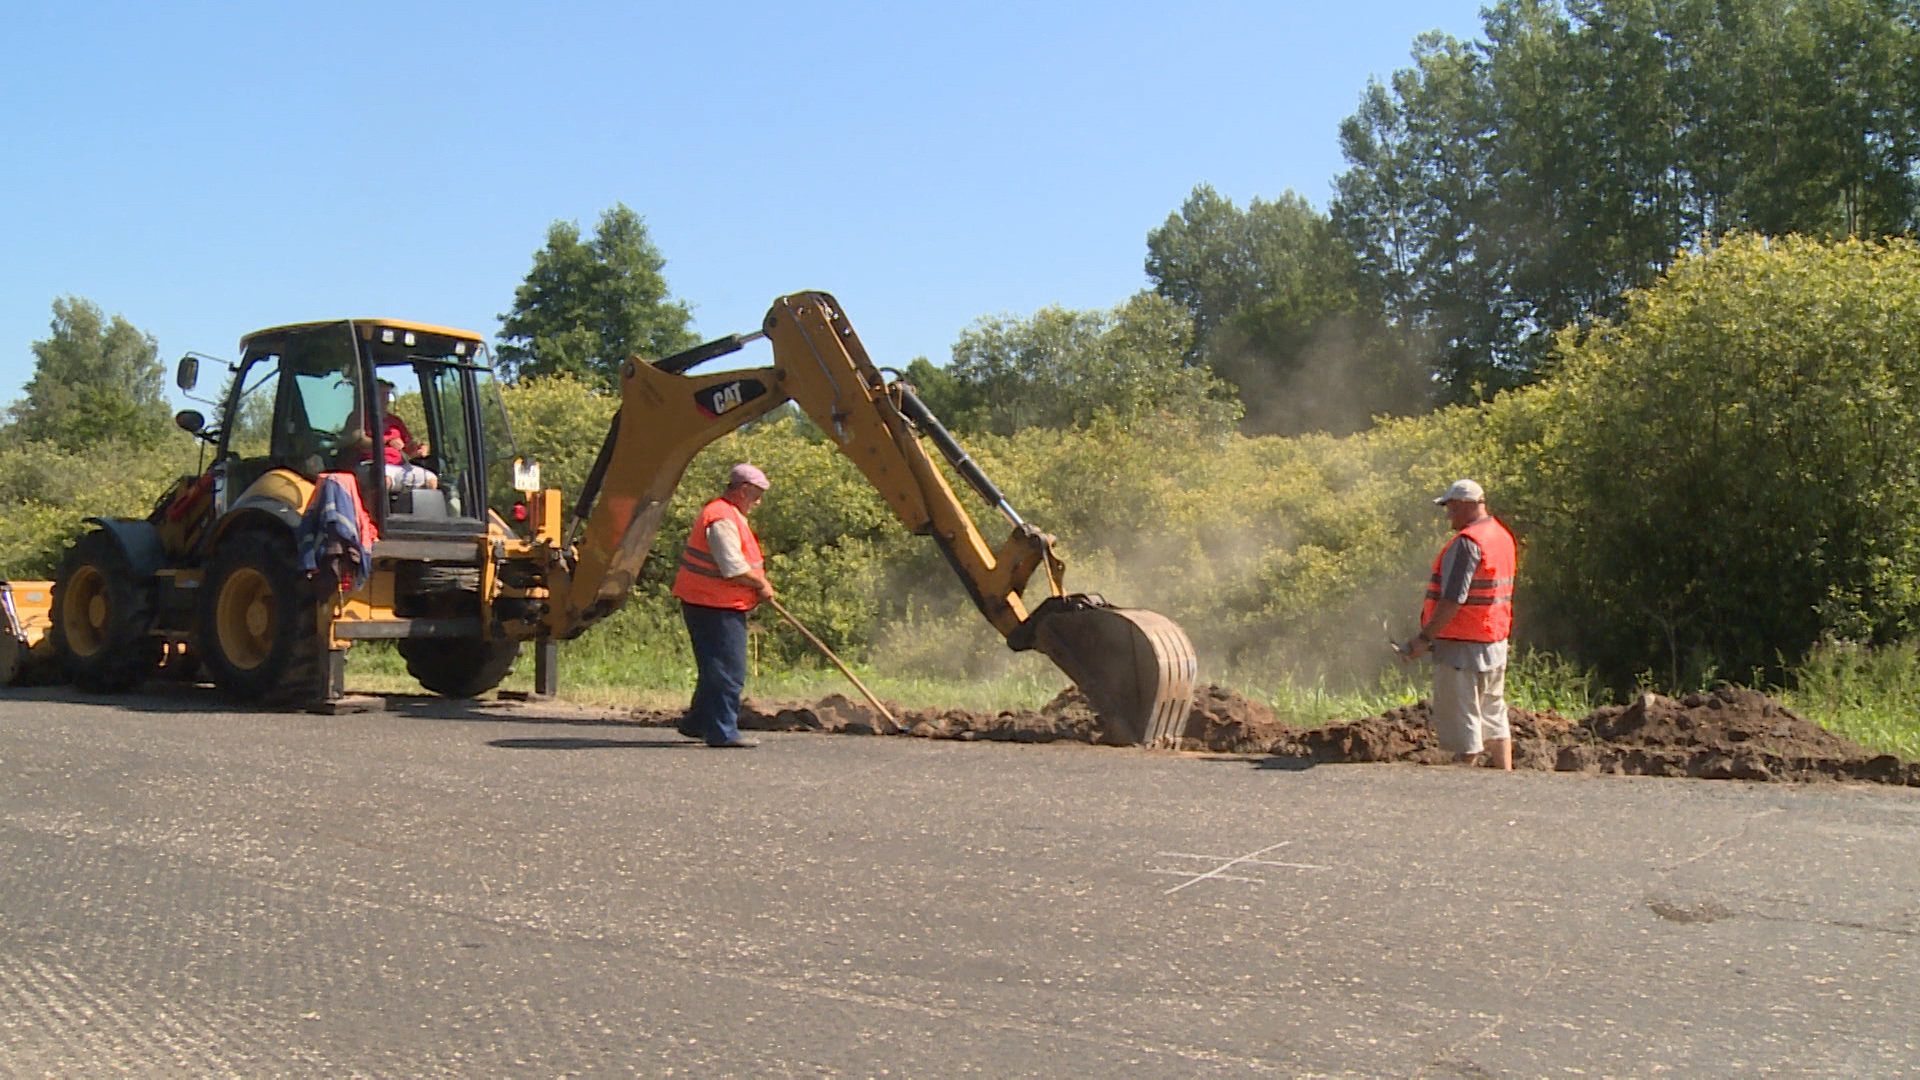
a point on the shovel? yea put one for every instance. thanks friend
(1399, 650)
(828, 653)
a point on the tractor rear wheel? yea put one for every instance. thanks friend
(101, 616)
(459, 667)
(258, 624)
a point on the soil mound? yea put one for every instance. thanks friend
(1729, 734)
(1226, 722)
(1405, 733)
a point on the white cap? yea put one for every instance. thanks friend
(1462, 491)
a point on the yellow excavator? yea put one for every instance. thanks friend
(231, 570)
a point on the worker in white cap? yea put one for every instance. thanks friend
(722, 576)
(1465, 623)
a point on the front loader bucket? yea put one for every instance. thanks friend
(26, 613)
(1137, 668)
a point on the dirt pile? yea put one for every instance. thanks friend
(1223, 721)
(1405, 733)
(1729, 734)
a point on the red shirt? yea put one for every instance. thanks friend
(396, 455)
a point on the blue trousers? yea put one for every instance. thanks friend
(719, 640)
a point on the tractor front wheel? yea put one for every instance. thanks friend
(101, 616)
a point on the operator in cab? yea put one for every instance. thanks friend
(722, 576)
(397, 445)
(399, 448)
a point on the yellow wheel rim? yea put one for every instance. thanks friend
(85, 611)
(244, 618)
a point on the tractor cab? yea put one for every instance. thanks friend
(412, 411)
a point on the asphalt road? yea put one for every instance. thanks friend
(522, 891)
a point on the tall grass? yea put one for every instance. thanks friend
(635, 660)
(639, 658)
(1869, 694)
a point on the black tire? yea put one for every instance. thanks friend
(101, 618)
(256, 629)
(13, 657)
(459, 667)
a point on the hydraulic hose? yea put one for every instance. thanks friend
(590, 490)
(680, 362)
(917, 412)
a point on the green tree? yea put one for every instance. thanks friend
(1062, 368)
(94, 380)
(938, 389)
(1279, 311)
(1503, 188)
(1217, 260)
(587, 305)
(1731, 470)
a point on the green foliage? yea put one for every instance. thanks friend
(94, 380)
(1063, 368)
(1279, 312)
(1732, 470)
(945, 395)
(47, 490)
(1870, 695)
(1503, 188)
(1217, 260)
(559, 421)
(588, 305)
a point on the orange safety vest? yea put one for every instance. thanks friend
(1488, 613)
(699, 581)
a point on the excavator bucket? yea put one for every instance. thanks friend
(1136, 667)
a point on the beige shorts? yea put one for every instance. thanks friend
(408, 476)
(1469, 707)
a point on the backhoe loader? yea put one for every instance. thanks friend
(214, 575)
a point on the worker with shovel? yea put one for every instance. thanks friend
(722, 576)
(1464, 623)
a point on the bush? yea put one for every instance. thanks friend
(46, 492)
(1731, 471)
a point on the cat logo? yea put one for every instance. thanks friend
(720, 400)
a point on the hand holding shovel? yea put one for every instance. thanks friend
(1401, 653)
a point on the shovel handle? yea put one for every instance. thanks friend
(828, 653)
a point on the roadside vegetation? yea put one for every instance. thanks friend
(1689, 378)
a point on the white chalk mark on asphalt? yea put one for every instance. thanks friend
(1243, 862)
(1217, 877)
(1227, 862)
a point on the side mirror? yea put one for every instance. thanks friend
(190, 420)
(186, 375)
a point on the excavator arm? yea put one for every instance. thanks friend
(1136, 667)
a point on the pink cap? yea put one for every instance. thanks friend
(747, 474)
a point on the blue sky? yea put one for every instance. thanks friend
(208, 169)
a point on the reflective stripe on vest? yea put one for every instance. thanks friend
(699, 581)
(1487, 614)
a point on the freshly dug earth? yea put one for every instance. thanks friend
(1729, 734)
